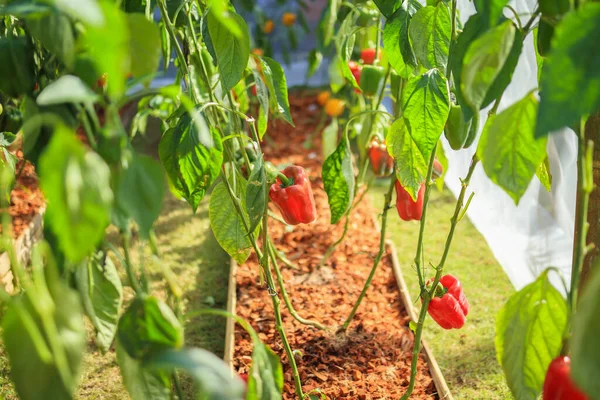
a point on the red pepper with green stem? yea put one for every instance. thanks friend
(293, 195)
(450, 308)
(381, 161)
(558, 384)
(409, 209)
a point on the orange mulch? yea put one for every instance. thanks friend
(373, 360)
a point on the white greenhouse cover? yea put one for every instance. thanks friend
(538, 232)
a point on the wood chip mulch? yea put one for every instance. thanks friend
(373, 360)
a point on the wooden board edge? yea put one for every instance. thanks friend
(436, 373)
(230, 324)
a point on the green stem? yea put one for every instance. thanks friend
(279, 254)
(386, 207)
(126, 242)
(427, 295)
(285, 181)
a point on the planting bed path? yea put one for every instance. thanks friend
(373, 360)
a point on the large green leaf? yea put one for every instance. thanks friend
(326, 26)
(491, 10)
(338, 180)
(570, 86)
(192, 156)
(483, 62)
(232, 52)
(101, 293)
(266, 376)
(142, 383)
(508, 150)
(529, 333)
(585, 349)
(411, 165)
(144, 45)
(17, 66)
(277, 84)
(148, 327)
(141, 192)
(66, 89)
(227, 224)
(55, 32)
(396, 43)
(429, 31)
(256, 193)
(76, 184)
(426, 106)
(213, 377)
(87, 11)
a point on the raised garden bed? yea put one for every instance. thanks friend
(373, 360)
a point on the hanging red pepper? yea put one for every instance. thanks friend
(451, 309)
(558, 384)
(381, 161)
(294, 198)
(368, 56)
(408, 209)
(355, 68)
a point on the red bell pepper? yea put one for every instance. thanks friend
(450, 311)
(408, 209)
(558, 384)
(381, 161)
(356, 70)
(295, 200)
(368, 56)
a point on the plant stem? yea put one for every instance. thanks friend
(452, 39)
(126, 242)
(427, 295)
(279, 254)
(386, 207)
(285, 181)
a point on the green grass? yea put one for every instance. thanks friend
(466, 356)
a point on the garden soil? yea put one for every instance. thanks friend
(373, 360)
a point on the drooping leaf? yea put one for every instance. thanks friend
(429, 31)
(529, 333)
(77, 183)
(66, 89)
(396, 43)
(232, 52)
(256, 193)
(330, 138)
(338, 180)
(277, 85)
(142, 383)
(544, 175)
(326, 26)
(144, 44)
(265, 380)
(101, 293)
(508, 150)
(262, 93)
(571, 72)
(315, 58)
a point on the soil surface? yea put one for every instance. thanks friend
(373, 360)
(26, 197)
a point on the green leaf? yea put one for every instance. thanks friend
(315, 58)
(176, 11)
(441, 156)
(265, 380)
(544, 175)
(430, 35)
(387, 7)
(190, 164)
(262, 93)
(16, 62)
(330, 138)
(412, 169)
(338, 180)
(554, 8)
(585, 350)
(232, 52)
(25, 9)
(227, 224)
(277, 85)
(86, 11)
(426, 108)
(141, 382)
(571, 72)
(55, 32)
(213, 377)
(144, 44)
(327, 24)
(225, 14)
(76, 183)
(483, 62)
(148, 327)
(66, 89)
(101, 293)
(141, 192)
(256, 193)
(491, 10)
(396, 43)
(34, 362)
(508, 150)
(529, 333)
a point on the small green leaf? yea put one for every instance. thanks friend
(338, 180)
(529, 333)
(571, 72)
(227, 224)
(411, 172)
(430, 35)
(77, 184)
(262, 93)
(256, 193)
(327, 23)
(413, 326)
(277, 85)
(483, 62)
(141, 382)
(141, 192)
(330, 138)
(232, 52)
(144, 45)
(315, 58)
(66, 89)
(441, 156)
(508, 150)
(101, 293)
(265, 380)
(544, 175)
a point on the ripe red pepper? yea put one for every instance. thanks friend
(558, 384)
(408, 209)
(450, 311)
(368, 55)
(381, 161)
(356, 70)
(295, 201)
